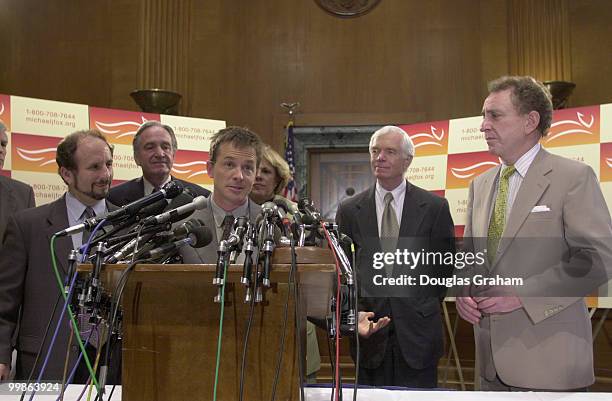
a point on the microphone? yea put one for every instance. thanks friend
(155, 237)
(286, 205)
(127, 248)
(197, 238)
(247, 267)
(240, 228)
(169, 191)
(108, 232)
(269, 211)
(311, 213)
(183, 211)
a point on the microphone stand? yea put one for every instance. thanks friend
(247, 269)
(219, 279)
(267, 250)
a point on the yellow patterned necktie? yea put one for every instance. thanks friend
(498, 219)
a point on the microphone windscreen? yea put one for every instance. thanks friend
(172, 189)
(153, 209)
(180, 200)
(202, 236)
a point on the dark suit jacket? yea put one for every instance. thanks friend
(14, 196)
(133, 190)
(416, 319)
(27, 282)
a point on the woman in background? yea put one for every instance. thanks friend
(272, 177)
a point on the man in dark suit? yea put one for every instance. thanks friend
(154, 148)
(401, 336)
(28, 289)
(14, 195)
(235, 153)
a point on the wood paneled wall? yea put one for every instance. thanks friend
(238, 60)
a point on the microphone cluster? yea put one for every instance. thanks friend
(139, 231)
(278, 223)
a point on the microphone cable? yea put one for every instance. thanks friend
(114, 308)
(290, 289)
(54, 338)
(247, 332)
(40, 347)
(67, 306)
(338, 323)
(220, 334)
(356, 303)
(140, 228)
(298, 322)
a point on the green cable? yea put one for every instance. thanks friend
(72, 319)
(220, 333)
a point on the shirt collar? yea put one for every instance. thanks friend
(219, 214)
(523, 163)
(381, 192)
(148, 187)
(76, 208)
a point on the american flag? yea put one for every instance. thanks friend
(291, 188)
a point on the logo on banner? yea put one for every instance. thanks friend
(572, 127)
(605, 172)
(118, 126)
(5, 111)
(34, 153)
(190, 165)
(428, 138)
(464, 167)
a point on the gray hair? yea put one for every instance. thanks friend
(407, 145)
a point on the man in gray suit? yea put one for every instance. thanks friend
(543, 218)
(28, 289)
(14, 195)
(235, 153)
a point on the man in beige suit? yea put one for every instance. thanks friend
(543, 218)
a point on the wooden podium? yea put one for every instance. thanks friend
(171, 324)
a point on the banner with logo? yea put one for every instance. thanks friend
(36, 126)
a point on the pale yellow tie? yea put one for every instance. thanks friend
(498, 219)
(389, 230)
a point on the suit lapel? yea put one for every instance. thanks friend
(209, 219)
(483, 214)
(57, 220)
(532, 188)
(366, 214)
(7, 201)
(412, 213)
(140, 193)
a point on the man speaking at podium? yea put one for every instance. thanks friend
(235, 153)
(403, 351)
(28, 287)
